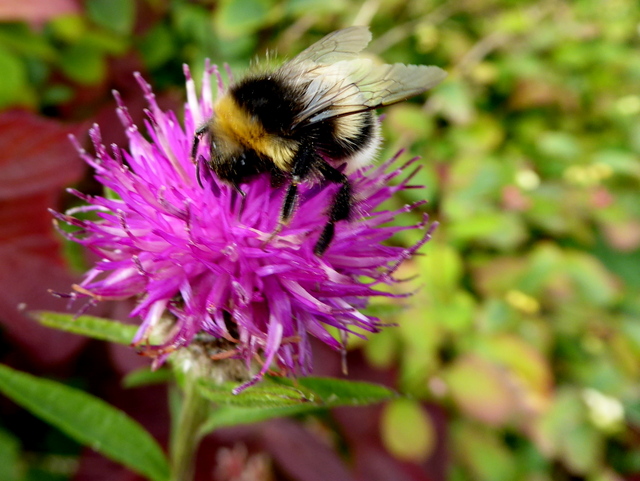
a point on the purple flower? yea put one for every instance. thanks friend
(199, 256)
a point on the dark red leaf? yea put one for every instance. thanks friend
(36, 155)
(36, 162)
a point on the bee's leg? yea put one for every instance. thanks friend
(302, 164)
(289, 202)
(340, 209)
(286, 212)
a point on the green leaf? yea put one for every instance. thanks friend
(278, 397)
(106, 42)
(620, 161)
(332, 392)
(94, 327)
(457, 313)
(157, 46)
(88, 420)
(407, 430)
(442, 269)
(592, 280)
(383, 310)
(484, 453)
(582, 449)
(145, 377)
(503, 230)
(566, 413)
(10, 465)
(236, 18)
(265, 394)
(83, 63)
(116, 15)
(228, 416)
(22, 40)
(56, 94)
(559, 145)
(68, 28)
(623, 264)
(382, 349)
(481, 390)
(278, 392)
(455, 100)
(318, 7)
(14, 79)
(410, 120)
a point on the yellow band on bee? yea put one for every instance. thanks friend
(238, 126)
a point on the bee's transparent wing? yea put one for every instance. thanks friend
(343, 44)
(352, 86)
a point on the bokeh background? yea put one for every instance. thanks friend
(519, 353)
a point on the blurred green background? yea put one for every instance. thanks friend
(524, 338)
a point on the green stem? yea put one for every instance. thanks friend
(186, 434)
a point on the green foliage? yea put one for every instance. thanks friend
(89, 420)
(278, 397)
(94, 327)
(145, 377)
(239, 17)
(10, 457)
(115, 15)
(530, 283)
(227, 416)
(407, 430)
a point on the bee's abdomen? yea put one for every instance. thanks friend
(343, 137)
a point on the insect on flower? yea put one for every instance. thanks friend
(307, 118)
(192, 258)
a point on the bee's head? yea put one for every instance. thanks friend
(223, 150)
(231, 161)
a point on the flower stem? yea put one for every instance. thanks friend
(186, 434)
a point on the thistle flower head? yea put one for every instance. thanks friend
(203, 257)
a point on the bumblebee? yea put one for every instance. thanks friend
(306, 119)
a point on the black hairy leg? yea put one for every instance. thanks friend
(303, 163)
(340, 209)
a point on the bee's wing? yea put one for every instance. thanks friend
(343, 44)
(352, 86)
